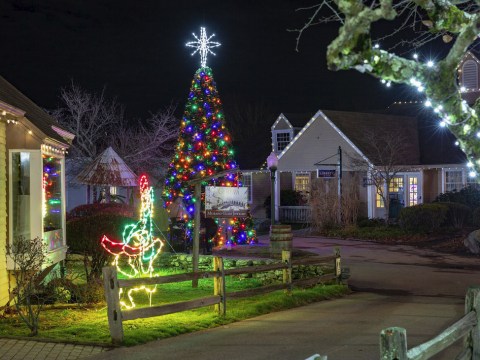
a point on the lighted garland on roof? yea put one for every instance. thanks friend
(204, 146)
(353, 49)
(134, 256)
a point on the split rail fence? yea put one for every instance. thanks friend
(393, 340)
(112, 286)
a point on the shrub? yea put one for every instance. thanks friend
(94, 209)
(366, 222)
(469, 196)
(29, 258)
(287, 198)
(84, 235)
(476, 217)
(423, 217)
(458, 215)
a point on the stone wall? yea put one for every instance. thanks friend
(183, 262)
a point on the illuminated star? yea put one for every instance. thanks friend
(203, 45)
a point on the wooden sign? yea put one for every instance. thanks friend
(226, 202)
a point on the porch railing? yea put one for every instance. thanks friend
(294, 214)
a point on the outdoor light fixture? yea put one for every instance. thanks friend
(272, 163)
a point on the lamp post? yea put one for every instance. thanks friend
(272, 163)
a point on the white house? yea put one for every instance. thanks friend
(306, 144)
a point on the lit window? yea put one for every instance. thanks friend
(283, 139)
(453, 180)
(396, 185)
(379, 201)
(302, 182)
(247, 182)
(52, 206)
(412, 191)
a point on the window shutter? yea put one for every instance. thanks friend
(470, 75)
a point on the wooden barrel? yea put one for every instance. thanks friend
(280, 239)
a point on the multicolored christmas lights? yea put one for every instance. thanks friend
(52, 203)
(139, 247)
(204, 149)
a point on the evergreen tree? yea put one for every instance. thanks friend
(204, 148)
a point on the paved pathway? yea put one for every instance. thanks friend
(11, 349)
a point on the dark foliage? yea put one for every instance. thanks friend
(469, 196)
(94, 209)
(287, 198)
(424, 218)
(84, 235)
(374, 222)
(458, 215)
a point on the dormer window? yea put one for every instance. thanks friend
(470, 75)
(282, 139)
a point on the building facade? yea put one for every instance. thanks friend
(32, 180)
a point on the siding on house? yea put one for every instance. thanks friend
(4, 289)
(432, 182)
(261, 189)
(319, 141)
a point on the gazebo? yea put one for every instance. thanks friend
(108, 169)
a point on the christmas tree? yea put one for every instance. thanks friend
(204, 146)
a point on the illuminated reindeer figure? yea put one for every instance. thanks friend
(139, 246)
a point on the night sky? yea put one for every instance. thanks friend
(136, 48)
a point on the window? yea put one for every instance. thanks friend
(412, 191)
(52, 193)
(470, 74)
(302, 182)
(453, 180)
(396, 185)
(283, 139)
(20, 195)
(247, 182)
(472, 181)
(379, 201)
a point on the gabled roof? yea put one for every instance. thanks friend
(11, 95)
(353, 126)
(428, 144)
(437, 144)
(356, 125)
(299, 120)
(108, 169)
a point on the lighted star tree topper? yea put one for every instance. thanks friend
(203, 46)
(204, 146)
(139, 247)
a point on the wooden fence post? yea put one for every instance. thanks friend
(472, 302)
(317, 357)
(287, 273)
(112, 296)
(219, 284)
(338, 265)
(393, 344)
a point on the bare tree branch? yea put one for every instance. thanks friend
(460, 20)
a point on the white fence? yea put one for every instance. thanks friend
(294, 214)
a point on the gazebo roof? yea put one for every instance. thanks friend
(108, 169)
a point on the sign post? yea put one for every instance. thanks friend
(330, 173)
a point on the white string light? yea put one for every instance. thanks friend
(203, 45)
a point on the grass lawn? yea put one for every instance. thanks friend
(75, 324)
